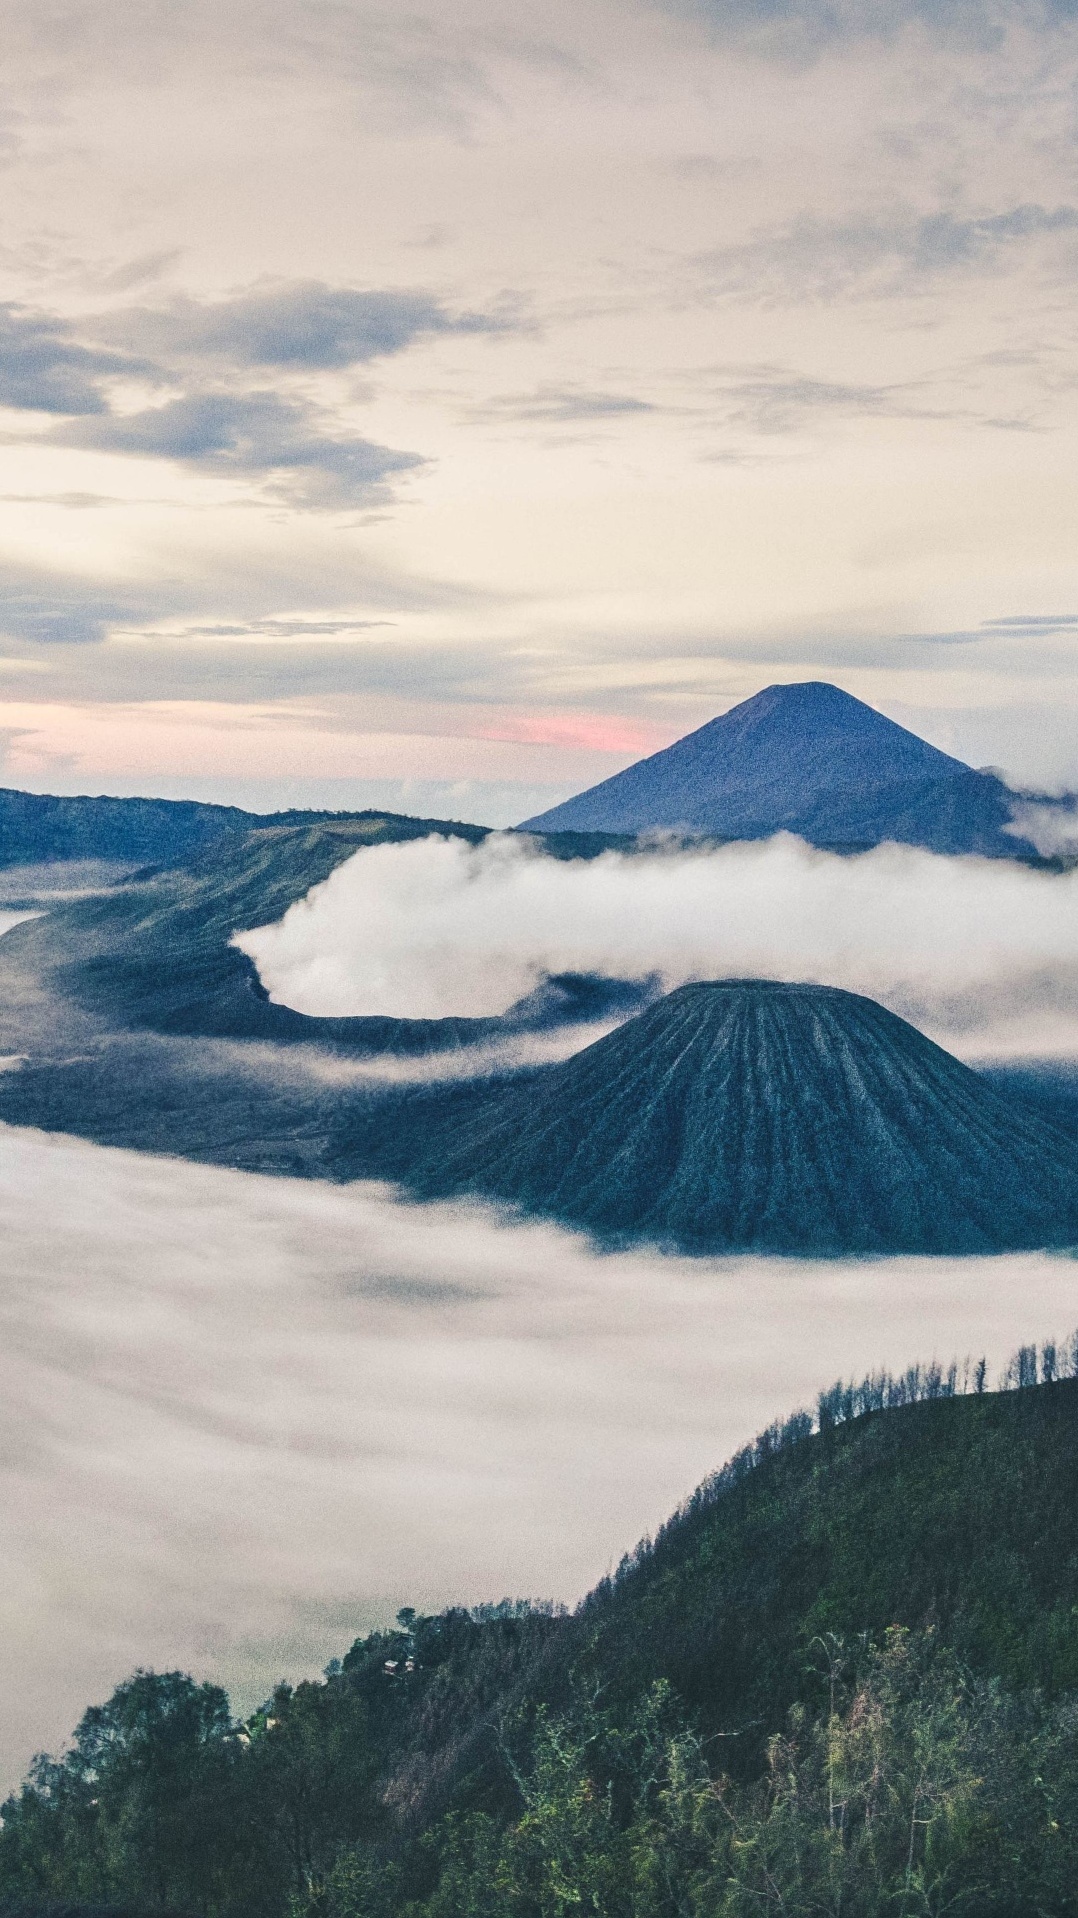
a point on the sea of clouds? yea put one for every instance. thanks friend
(980, 953)
(243, 1419)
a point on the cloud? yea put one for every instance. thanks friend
(300, 325)
(140, 271)
(1022, 626)
(71, 611)
(270, 1066)
(562, 406)
(1032, 623)
(37, 608)
(243, 1419)
(767, 397)
(875, 255)
(405, 70)
(802, 28)
(1051, 827)
(280, 440)
(980, 953)
(190, 611)
(294, 328)
(44, 369)
(778, 399)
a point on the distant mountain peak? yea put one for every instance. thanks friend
(808, 696)
(806, 758)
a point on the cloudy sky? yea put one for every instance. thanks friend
(443, 407)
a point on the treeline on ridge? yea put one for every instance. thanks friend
(843, 1677)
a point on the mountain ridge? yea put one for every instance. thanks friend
(805, 758)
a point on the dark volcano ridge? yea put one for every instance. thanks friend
(743, 1115)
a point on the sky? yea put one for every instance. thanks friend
(442, 408)
(244, 1419)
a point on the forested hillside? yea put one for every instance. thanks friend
(844, 1678)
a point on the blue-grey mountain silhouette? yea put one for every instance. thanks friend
(45, 827)
(806, 759)
(747, 1115)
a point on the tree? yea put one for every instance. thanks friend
(134, 1811)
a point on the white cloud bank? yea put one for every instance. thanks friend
(1052, 828)
(243, 1419)
(981, 953)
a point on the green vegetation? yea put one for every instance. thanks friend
(842, 1680)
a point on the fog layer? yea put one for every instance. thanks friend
(981, 953)
(245, 1418)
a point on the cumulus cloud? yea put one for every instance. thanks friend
(53, 365)
(298, 325)
(982, 954)
(252, 433)
(243, 1419)
(45, 369)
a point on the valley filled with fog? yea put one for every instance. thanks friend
(245, 1418)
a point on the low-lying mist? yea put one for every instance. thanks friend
(980, 953)
(10, 919)
(246, 1418)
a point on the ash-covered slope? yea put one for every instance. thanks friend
(748, 1115)
(808, 759)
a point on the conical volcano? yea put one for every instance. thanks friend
(750, 1115)
(808, 759)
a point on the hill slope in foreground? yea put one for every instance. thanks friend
(807, 759)
(746, 1115)
(513, 1762)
